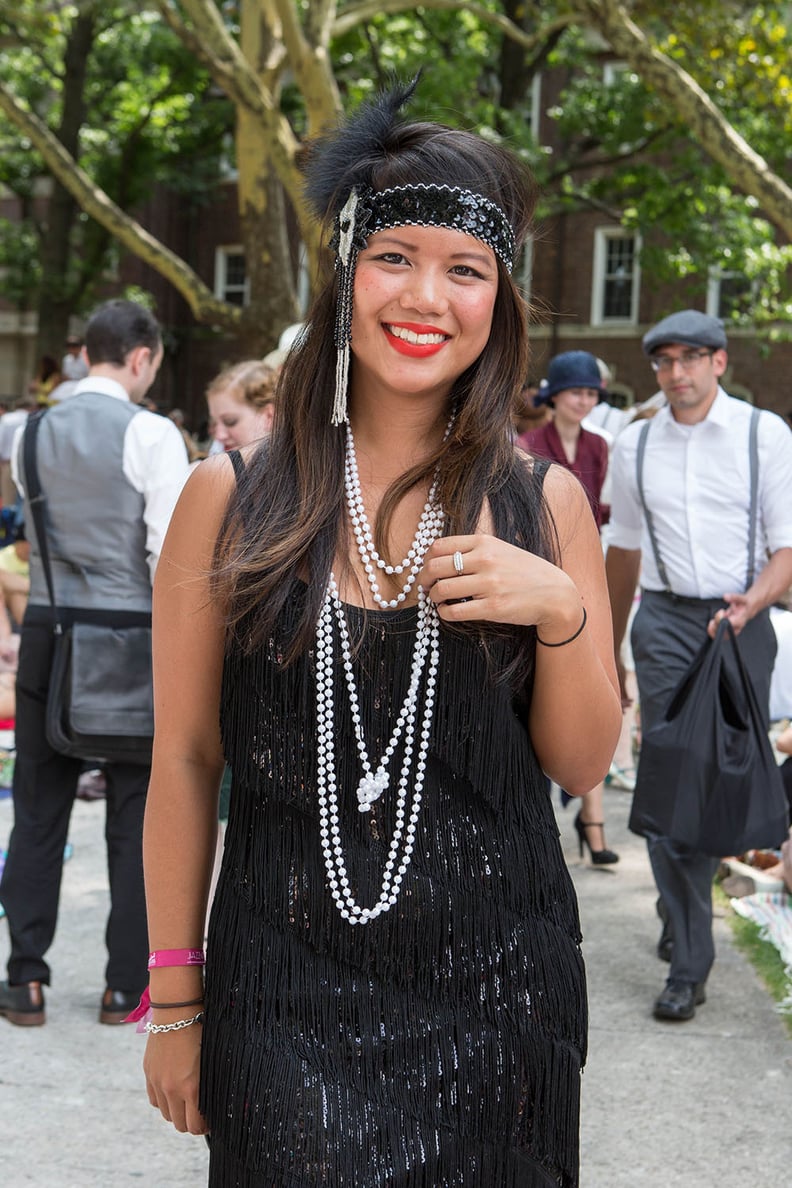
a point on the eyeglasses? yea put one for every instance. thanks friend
(687, 360)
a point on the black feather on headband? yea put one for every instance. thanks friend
(348, 156)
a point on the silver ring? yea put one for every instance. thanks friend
(459, 563)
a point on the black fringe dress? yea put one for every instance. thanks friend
(441, 1044)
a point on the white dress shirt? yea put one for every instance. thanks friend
(154, 463)
(73, 367)
(696, 481)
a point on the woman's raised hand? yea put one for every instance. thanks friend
(484, 578)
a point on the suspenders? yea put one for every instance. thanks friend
(753, 455)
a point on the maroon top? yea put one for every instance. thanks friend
(590, 464)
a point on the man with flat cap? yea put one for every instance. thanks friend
(682, 508)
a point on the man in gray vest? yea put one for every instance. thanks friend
(111, 473)
(682, 510)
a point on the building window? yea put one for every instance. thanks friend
(231, 282)
(523, 268)
(730, 295)
(615, 289)
(536, 110)
(614, 70)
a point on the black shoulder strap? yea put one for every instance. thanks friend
(35, 496)
(540, 469)
(235, 458)
(639, 467)
(753, 454)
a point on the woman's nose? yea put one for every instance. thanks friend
(424, 292)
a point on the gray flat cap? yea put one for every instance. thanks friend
(690, 327)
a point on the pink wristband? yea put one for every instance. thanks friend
(162, 958)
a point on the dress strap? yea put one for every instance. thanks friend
(235, 457)
(540, 468)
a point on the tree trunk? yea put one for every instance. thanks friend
(56, 297)
(262, 213)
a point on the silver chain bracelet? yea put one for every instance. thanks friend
(179, 1025)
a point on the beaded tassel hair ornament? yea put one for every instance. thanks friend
(340, 184)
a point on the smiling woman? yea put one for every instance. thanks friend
(422, 273)
(394, 984)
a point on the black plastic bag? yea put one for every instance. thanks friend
(707, 776)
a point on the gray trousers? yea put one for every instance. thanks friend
(667, 633)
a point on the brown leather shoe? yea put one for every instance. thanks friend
(23, 1004)
(116, 1005)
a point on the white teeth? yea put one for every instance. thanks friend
(416, 339)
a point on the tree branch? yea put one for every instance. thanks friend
(312, 67)
(354, 14)
(204, 305)
(234, 74)
(706, 124)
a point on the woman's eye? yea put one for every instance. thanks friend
(466, 270)
(391, 258)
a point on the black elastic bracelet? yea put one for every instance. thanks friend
(166, 1006)
(562, 642)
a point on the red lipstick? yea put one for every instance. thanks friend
(414, 339)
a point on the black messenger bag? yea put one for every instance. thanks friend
(100, 703)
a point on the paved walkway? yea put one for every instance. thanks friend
(698, 1104)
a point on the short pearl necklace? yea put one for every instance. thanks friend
(426, 656)
(429, 528)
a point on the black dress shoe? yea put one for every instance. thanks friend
(116, 1005)
(665, 946)
(679, 1000)
(23, 1004)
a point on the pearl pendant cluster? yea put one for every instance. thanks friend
(426, 655)
(407, 731)
(429, 528)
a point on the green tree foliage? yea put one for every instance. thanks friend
(136, 110)
(688, 143)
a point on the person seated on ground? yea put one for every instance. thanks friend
(194, 451)
(47, 376)
(783, 744)
(786, 864)
(14, 589)
(15, 577)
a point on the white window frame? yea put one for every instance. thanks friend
(716, 276)
(536, 99)
(221, 285)
(611, 70)
(602, 236)
(524, 272)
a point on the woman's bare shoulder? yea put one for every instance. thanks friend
(560, 486)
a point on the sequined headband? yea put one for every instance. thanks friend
(419, 205)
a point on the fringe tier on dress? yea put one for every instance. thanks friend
(441, 1044)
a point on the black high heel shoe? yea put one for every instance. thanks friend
(601, 857)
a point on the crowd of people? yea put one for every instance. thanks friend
(413, 602)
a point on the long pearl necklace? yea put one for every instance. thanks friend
(376, 779)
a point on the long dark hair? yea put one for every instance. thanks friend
(289, 519)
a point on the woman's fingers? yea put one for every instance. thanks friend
(181, 1112)
(482, 577)
(171, 1065)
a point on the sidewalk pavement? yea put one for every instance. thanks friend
(699, 1104)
